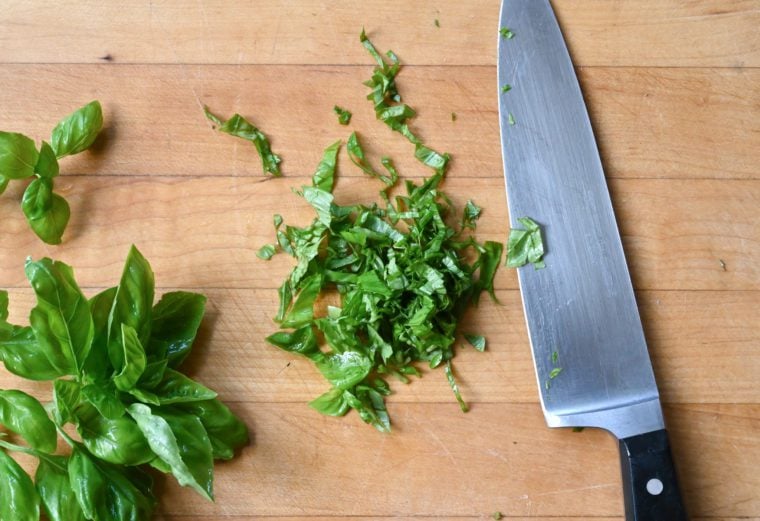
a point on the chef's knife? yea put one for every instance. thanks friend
(580, 309)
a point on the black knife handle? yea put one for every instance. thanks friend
(650, 487)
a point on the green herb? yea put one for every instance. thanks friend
(47, 212)
(437, 23)
(238, 126)
(525, 246)
(554, 373)
(344, 116)
(510, 119)
(497, 516)
(507, 33)
(386, 98)
(113, 362)
(506, 88)
(404, 277)
(454, 386)
(266, 251)
(476, 341)
(555, 357)
(453, 116)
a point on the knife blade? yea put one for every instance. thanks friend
(580, 309)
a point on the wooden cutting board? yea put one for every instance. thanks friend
(673, 89)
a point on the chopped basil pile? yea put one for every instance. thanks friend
(47, 212)
(114, 363)
(402, 272)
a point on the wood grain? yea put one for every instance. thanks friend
(651, 122)
(673, 90)
(703, 346)
(646, 32)
(203, 232)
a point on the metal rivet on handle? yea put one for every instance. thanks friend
(655, 486)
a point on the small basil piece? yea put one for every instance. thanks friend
(18, 156)
(238, 126)
(50, 224)
(77, 131)
(344, 116)
(525, 246)
(47, 164)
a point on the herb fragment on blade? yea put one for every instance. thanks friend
(238, 126)
(506, 33)
(116, 381)
(46, 211)
(525, 246)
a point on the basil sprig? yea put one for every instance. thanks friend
(47, 212)
(114, 364)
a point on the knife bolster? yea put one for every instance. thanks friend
(650, 485)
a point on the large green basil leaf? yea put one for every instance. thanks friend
(61, 319)
(131, 305)
(18, 155)
(47, 164)
(176, 319)
(66, 395)
(324, 177)
(23, 356)
(25, 416)
(176, 388)
(331, 403)
(53, 485)
(18, 497)
(153, 374)
(51, 224)
(134, 359)
(117, 440)
(77, 131)
(97, 367)
(105, 400)
(181, 442)
(225, 430)
(107, 492)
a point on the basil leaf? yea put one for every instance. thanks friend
(47, 164)
(117, 441)
(238, 126)
(25, 416)
(346, 369)
(182, 443)
(176, 319)
(23, 356)
(97, 365)
(18, 155)
(324, 177)
(18, 497)
(66, 395)
(476, 341)
(344, 116)
(302, 310)
(489, 261)
(302, 341)
(454, 387)
(54, 488)
(226, 431)
(132, 305)
(321, 201)
(176, 388)
(106, 492)
(38, 198)
(153, 374)
(356, 154)
(525, 246)
(61, 319)
(332, 403)
(266, 252)
(134, 359)
(77, 131)
(50, 223)
(105, 400)
(429, 157)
